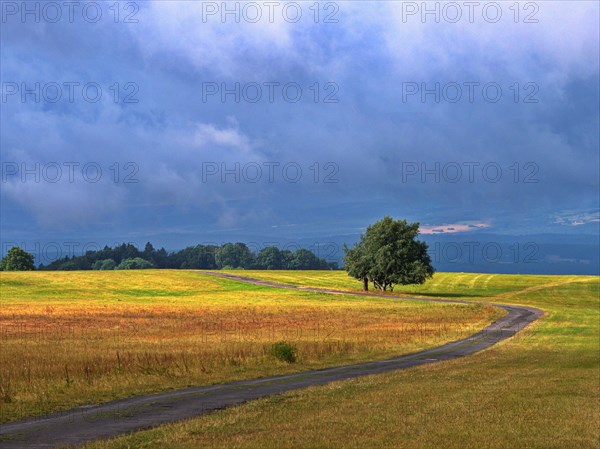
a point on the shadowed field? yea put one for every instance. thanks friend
(73, 338)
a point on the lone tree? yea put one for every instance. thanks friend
(17, 259)
(389, 253)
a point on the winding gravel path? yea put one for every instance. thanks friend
(83, 424)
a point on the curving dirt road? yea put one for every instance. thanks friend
(83, 424)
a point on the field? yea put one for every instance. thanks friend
(540, 389)
(443, 285)
(74, 338)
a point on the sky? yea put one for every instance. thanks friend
(174, 121)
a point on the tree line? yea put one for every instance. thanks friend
(387, 254)
(209, 257)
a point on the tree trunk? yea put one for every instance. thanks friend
(366, 283)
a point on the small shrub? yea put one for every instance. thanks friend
(137, 263)
(283, 351)
(105, 264)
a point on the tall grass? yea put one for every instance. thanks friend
(71, 338)
(538, 390)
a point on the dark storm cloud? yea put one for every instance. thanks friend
(376, 146)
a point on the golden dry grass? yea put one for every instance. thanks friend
(72, 338)
(538, 390)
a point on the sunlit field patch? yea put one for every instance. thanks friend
(442, 285)
(72, 338)
(537, 390)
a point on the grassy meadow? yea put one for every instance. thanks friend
(74, 338)
(540, 389)
(443, 285)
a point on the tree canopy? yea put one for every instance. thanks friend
(207, 257)
(136, 263)
(106, 264)
(389, 253)
(17, 259)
